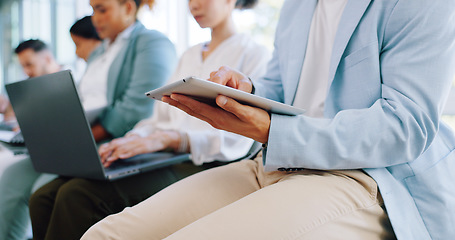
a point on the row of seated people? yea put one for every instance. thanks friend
(147, 59)
(363, 162)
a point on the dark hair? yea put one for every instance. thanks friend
(140, 3)
(84, 28)
(35, 44)
(245, 4)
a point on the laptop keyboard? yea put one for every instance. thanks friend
(6, 126)
(18, 139)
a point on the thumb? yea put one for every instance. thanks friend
(232, 106)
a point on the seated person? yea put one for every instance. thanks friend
(66, 207)
(36, 60)
(130, 61)
(370, 159)
(85, 38)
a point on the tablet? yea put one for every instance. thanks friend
(206, 91)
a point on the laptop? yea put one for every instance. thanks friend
(57, 133)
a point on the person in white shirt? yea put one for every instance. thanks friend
(370, 159)
(69, 206)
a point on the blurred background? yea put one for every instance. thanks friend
(50, 20)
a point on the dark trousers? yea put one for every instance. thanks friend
(66, 207)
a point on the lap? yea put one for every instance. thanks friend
(309, 205)
(16, 184)
(181, 203)
(240, 201)
(115, 194)
(7, 159)
(18, 179)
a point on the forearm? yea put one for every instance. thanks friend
(99, 133)
(379, 136)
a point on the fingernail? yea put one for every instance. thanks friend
(222, 100)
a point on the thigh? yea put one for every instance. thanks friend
(41, 206)
(135, 189)
(7, 158)
(17, 181)
(79, 193)
(314, 205)
(180, 204)
(107, 197)
(49, 190)
(42, 202)
(15, 185)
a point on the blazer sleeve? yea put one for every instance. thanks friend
(415, 72)
(150, 64)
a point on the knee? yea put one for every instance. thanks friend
(65, 194)
(36, 200)
(71, 192)
(16, 180)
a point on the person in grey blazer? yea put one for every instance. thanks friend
(139, 60)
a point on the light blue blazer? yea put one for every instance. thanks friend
(392, 66)
(144, 64)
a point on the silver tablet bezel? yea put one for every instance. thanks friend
(206, 91)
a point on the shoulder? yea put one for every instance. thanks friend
(243, 39)
(249, 46)
(426, 17)
(193, 51)
(152, 35)
(414, 9)
(147, 36)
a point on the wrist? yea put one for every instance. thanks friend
(177, 141)
(184, 143)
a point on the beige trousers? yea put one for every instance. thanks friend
(241, 201)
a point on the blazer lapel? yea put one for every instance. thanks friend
(117, 66)
(114, 72)
(351, 17)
